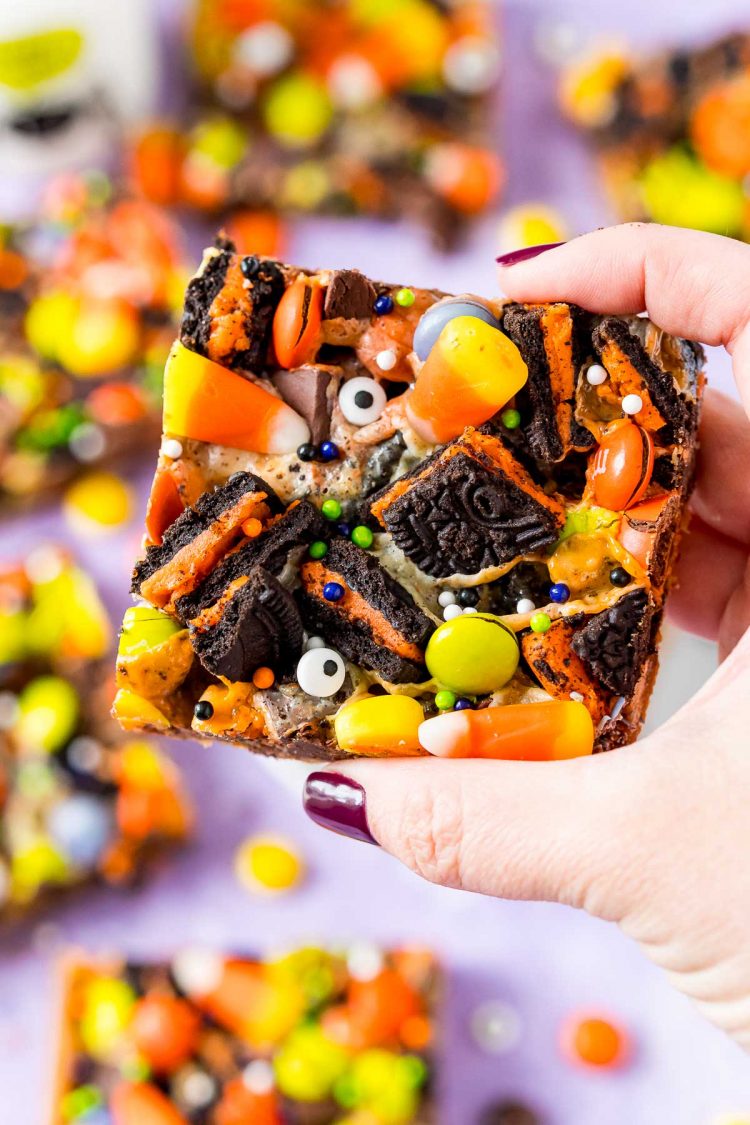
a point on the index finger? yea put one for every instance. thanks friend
(690, 283)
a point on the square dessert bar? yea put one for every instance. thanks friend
(308, 1036)
(347, 108)
(78, 802)
(86, 319)
(670, 131)
(374, 504)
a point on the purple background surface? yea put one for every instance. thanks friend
(543, 960)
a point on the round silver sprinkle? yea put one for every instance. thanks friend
(171, 447)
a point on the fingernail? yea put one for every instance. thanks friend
(516, 256)
(338, 803)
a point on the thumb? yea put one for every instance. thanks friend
(558, 831)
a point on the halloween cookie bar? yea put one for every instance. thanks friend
(78, 803)
(87, 312)
(671, 131)
(375, 505)
(350, 108)
(307, 1036)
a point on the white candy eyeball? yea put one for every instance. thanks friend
(362, 400)
(321, 672)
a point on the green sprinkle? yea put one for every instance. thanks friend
(331, 509)
(405, 298)
(318, 549)
(362, 536)
(445, 700)
(511, 419)
(540, 622)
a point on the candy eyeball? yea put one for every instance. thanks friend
(362, 400)
(321, 672)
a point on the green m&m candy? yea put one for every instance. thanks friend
(473, 654)
(145, 628)
(297, 110)
(47, 713)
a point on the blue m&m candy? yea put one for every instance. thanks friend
(437, 316)
(81, 825)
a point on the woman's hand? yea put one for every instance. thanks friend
(655, 837)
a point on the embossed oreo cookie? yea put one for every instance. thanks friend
(470, 508)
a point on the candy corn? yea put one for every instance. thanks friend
(141, 1103)
(470, 373)
(536, 732)
(208, 402)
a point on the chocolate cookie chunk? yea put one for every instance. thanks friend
(630, 367)
(349, 295)
(615, 643)
(255, 624)
(470, 507)
(196, 540)
(364, 613)
(507, 1113)
(272, 549)
(553, 342)
(229, 308)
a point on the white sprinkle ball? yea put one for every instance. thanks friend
(525, 605)
(596, 375)
(446, 597)
(632, 404)
(87, 442)
(258, 1077)
(364, 962)
(470, 609)
(452, 611)
(171, 447)
(495, 1027)
(265, 47)
(386, 360)
(197, 971)
(198, 1088)
(315, 642)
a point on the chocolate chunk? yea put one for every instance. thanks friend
(272, 550)
(526, 580)
(617, 346)
(615, 643)
(310, 391)
(350, 295)
(258, 626)
(469, 507)
(252, 288)
(376, 623)
(554, 345)
(195, 520)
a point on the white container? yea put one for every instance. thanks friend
(72, 74)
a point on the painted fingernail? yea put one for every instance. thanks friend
(338, 803)
(516, 256)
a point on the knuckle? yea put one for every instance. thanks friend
(432, 835)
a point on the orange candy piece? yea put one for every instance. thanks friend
(378, 1008)
(141, 1103)
(116, 404)
(297, 323)
(621, 468)
(594, 1041)
(165, 1030)
(532, 732)
(720, 129)
(468, 178)
(638, 541)
(241, 1106)
(156, 164)
(257, 232)
(208, 402)
(263, 678)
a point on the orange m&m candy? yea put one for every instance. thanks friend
(296, 323)
(621, 468)
(165, 1030)
(592, 1040)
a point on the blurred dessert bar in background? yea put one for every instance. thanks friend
(307, 1036)
(672, 132)
(79, 803)
(89, 298)
(360, 107)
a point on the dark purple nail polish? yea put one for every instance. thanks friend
(338, 803)
(516, 256)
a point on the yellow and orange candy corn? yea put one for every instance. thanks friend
(211, 403)
(531, 732)
(471, 372)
